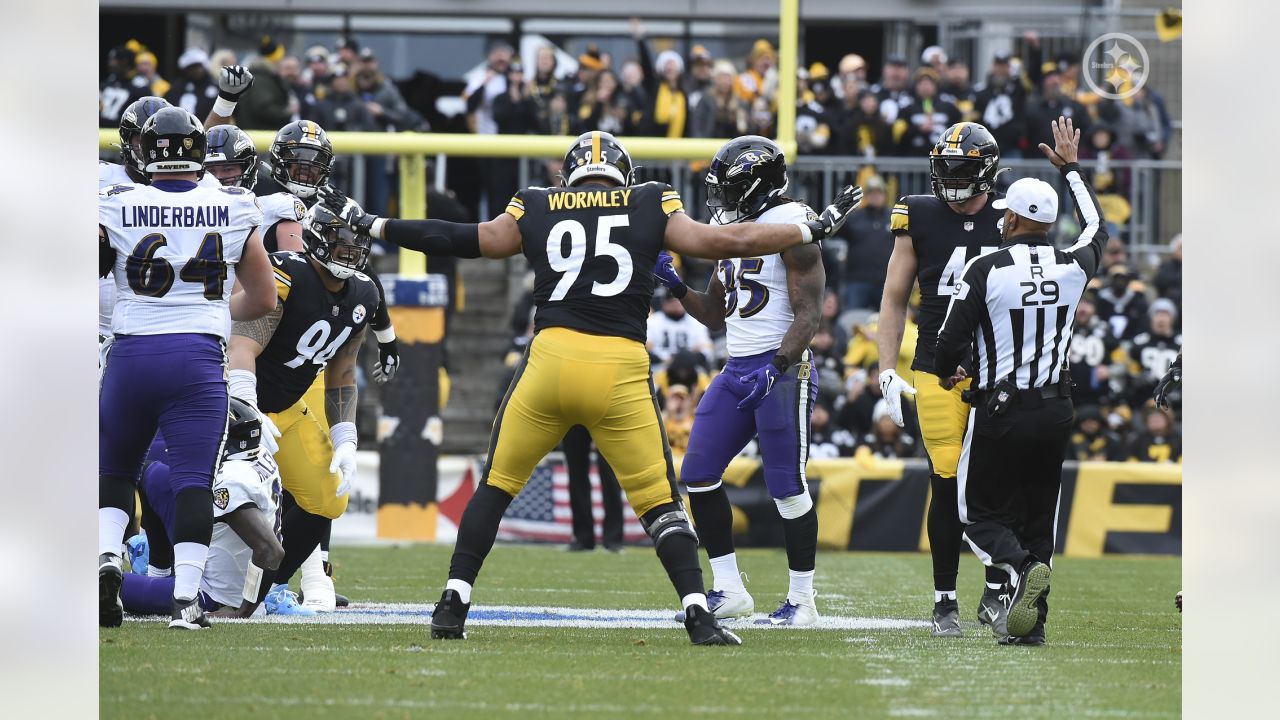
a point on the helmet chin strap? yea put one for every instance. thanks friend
(302, 191)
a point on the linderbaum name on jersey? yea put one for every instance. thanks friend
(591, 249)
(943, 240)
(316, 323)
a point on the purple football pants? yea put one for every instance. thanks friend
(721, 430)
(171, 384)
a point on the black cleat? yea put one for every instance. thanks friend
(993, 610)
(449, 618)
(946, 619)
(1035, 638)
(110, 575)
(703, 628)
(1024, 612)
(187, 615)
(341, 600)
(576, 546)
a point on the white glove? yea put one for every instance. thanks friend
(244, 385)
(892, 386)
(344, 463)
(269, 433)
(233, 81)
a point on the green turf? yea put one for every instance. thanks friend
(1115, 649)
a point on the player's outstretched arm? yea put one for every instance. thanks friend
(721, 242)
(233, 83)
(247, 523)
(705, 307)
(899, 278)
(257, 280)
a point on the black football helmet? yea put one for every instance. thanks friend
(333, 244)
(244, 432)
(597, 154)
(173, 140)
(131, 121)
(745, 175)
(964, 162)
(233, 149)
(301, 158)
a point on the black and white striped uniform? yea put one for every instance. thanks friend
(1013, 313)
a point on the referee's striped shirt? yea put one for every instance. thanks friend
(1013, 310)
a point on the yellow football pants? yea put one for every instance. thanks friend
(943, 418)
(571, 378)
(305, 453)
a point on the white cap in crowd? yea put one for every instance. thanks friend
(193, 56)
(1031, 198)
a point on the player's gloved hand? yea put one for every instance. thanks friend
(892, 386)
(762, 381)
(665, 272)
(347, 210)
(344, 463)
(1171, 381)
(832, 217)
(269, 433)
(388, 362)
(233, 81)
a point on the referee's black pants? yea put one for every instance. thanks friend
(577, 460)
(1009, 479)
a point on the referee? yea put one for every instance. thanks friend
(1012, 314)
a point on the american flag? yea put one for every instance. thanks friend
(541, 511)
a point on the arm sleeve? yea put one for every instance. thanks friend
(434, 237)
(963, 314)
(1093, 237)
(381, 319)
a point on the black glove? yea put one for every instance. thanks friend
(234, 81)
(833, 216)
(347, 210)
(1171, 381)
(388, 362)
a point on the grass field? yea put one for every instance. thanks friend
(1115, 648)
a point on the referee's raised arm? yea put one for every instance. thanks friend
(1093, 234)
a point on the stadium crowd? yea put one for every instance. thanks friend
(1127, 327)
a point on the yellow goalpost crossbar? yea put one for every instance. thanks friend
(414, 148)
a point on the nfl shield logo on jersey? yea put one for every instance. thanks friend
(968, 225)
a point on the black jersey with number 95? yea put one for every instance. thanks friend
(316, 323)
(592, 249)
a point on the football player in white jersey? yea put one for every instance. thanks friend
(174, 250)
(244, 552)
(770, 307)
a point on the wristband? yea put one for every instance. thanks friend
(244, 385)
(224, 106)
(252, 583)
(343, 432)
(375, 230)
(385, 336)
(806, 234)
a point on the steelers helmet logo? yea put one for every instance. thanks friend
(357, 315)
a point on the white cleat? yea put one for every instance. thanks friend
(791, 614)
(317, 588)
(726, 604)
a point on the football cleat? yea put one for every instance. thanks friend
(791, 614)
(110, 575)
(703, 628)
(993, 610)
(1035, 638)
(282, 601)
(449, 619)
(139, 554)
(1033, 580)
(187, 615)
(315, 586)
(946, 618)
(340, 600)
(731, 603)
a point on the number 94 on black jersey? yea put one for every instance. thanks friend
(592, 250)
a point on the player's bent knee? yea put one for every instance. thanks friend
(508, 485)
(795, 506)
(667, 521)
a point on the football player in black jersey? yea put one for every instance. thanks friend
(591, 245)
(324, 303)
(935, 236)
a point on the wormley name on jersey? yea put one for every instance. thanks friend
(594, 199)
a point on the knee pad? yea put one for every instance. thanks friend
(793, 507)
(666, 521)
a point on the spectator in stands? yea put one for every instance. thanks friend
(1158, 441)
(1091, 350)
(146, 65)
(1152, 124)
(316, 73)
(886, 440)
(1101, 146)
(870, 244)
(1052, 103)
(826, 438)
(672, 330)
(1122, 304)
(826, 355)
(685, 368)
(892, 90)
(956, 88)
(921, 123)
(860, 127)
(590, 63)
(829, 313)
(814, 116)
(382, 97)
(348, 51)
(341, 109)
(1168, 280)
(1001, 105)
(1152, 352)
(515, 111)
(934, 58)
(760, 79)
(559, 122)
(853, 67)
(196, 90)
(121, 87)
(291, 74)
(720, 113)
(604, 108)
(700, 66)
(543, 86)
(1114, 253)
(271, 104)
(479, 94)
(1092, 439)
(678, 417)
(668, 111)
